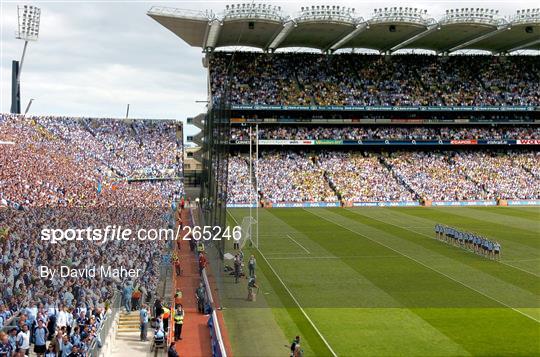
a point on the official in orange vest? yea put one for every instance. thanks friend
(166, 315)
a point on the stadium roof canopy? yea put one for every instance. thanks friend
(330, 28)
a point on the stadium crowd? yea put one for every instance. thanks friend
(503, 176)
(239, 187)
(347, 132)
(361, 178)
(329, 176)
(292, 177)
(433, 175)
(55, 174)
(139, 148)
(373, 80)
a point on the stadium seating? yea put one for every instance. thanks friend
(360, 79)
(394, 176)
(347, 132)
(72, 173)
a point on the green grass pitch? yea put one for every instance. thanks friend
(375, 282)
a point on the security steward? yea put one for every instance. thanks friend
(178, 322)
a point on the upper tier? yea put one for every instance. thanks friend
(371, 80)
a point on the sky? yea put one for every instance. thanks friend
(95, 57)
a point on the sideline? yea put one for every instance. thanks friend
(300, 245)
(292, 296)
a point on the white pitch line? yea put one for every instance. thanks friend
(425, 265)
(335, 257)
(427, 235)
(294, 299)
(300, 245)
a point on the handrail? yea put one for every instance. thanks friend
(214, 318)
(106, 324)
(215, 325)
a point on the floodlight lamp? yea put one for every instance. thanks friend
(28, 22)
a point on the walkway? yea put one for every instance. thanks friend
(195, 332)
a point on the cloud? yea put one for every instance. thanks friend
(93, 58)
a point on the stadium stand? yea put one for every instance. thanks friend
(346, 132)
(292, 177)
(348, 176)
(77, 173)
(373, 80)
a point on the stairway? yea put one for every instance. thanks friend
(129, 322)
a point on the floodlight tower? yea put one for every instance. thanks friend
(28, 30)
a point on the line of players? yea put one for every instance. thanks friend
(470, 241)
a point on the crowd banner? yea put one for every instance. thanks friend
(304, 204)
(427, 203)
(523, 202)
(464, 203)
(528, 142)
(388, 142)
(387, 108)
(387, 204)
(241, 205)
(463, 142)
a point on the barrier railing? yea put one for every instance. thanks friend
(218, 346)
(106, 325)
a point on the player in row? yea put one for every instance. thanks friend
(470, 241)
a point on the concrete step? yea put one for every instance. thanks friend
(131, 318)
(128, 329)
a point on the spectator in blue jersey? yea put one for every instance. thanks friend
(6, 349)
(40, 338)
(13, 338)
(65, 346)
(75, 337)
(51, 352)
(143, 314)
(127, 293)
(75, 352)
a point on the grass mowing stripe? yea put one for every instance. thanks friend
(486, 275)
(327, 286)
(427, 235)
(425, 265)
(511, 211)
(498, 218)
(516, 246)
(528, 239)
(314, 346)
